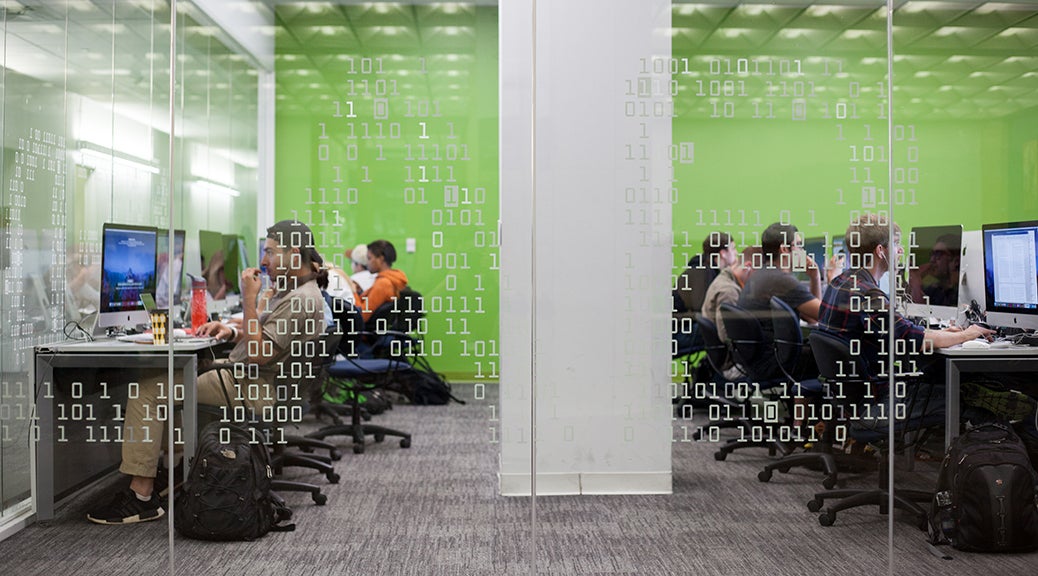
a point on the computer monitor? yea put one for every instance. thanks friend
(971, 288)
(815, 248)
(127, 269)
(232, 262)
(934, 258)
(1011, 274)
(166, 266)
(212, 252)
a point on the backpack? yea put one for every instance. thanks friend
(227, 494)
(423, 387)
(987, 494)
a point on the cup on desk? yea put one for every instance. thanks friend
(159, 326)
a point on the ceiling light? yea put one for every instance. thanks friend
(316, 7)
(948, 30)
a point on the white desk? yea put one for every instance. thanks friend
(958, 360)
(104, 354)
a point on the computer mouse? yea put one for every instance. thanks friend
(976, 344)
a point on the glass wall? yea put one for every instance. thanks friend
(88, 141)
(398, 121)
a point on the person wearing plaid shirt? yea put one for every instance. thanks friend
(855, 307)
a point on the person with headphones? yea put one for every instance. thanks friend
(856, 308)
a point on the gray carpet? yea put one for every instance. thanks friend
(433, 509)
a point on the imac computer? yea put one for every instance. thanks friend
(232, 262)
(127, 270)
(168, 265)
(211, 249)
(1011, 274)
(971, 288)
(934, 258)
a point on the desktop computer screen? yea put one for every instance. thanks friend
(934, 270)
(232, 262)
(128, 255)
(814, 247)
(212, 251)
(1011, 274)
(167, 266)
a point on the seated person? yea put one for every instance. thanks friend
(258, 342)
(359, 263)
(726, 288)
(781, 246)
(718, 253)
(388, 280)
(856, 308)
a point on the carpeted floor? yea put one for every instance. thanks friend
(433, 509)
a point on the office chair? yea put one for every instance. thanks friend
(716, 353)
(375, 361)
(312, 371)
(752, 353)
(839, 367)
(788, 344)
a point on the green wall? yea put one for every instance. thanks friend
(397, 143)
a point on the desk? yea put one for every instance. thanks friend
(104, 354)
(958, 360)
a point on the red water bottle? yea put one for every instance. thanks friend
(199, 315)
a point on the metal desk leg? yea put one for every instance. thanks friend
(45, 439)
(951, 423)
(190, 410)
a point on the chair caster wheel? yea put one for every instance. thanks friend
(335, 455)
(319, 499)
(332, 477)
(365, 417)
(380, 437)
(829, 482)
(697, 436)
(720, 456)
(358, 448)
(764, 475)
(814, 505)
(827, 518)
(405, 442)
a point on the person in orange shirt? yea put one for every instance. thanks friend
(388, 280)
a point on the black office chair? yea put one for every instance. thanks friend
(291, 392)
(716, 358)
(788, 344)
(752, 353)
(839, 367)
(377, 359)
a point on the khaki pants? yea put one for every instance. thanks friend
(145, 420)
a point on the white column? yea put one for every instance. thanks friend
(586, 252)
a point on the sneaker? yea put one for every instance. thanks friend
(126, 508)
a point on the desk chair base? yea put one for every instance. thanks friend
(830, 464)
(291, 486)
(852, 498)
(774, 447)
(359, 432)
(903, 499)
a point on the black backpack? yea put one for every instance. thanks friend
(987, 494)
(227, 494)
(423, 386)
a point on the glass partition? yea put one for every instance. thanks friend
(88, 142)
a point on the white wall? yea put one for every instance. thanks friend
(587, 279)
